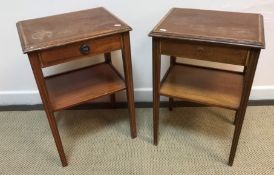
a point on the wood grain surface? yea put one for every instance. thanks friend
(57, 30)
(213, 26)
(202, 85)
(82, 85)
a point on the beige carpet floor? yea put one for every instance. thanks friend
(192, 141)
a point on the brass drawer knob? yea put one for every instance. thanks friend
(84, 49)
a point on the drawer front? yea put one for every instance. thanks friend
(215, 53)
(66, 53)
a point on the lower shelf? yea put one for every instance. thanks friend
(75, 87)
(203, 85)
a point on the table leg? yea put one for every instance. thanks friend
(56, 136)
(108, 60)
(156, 67)
(248, 80)
(170, 103)
(236, 116)
(126, 54)
(171, 100)
(38, 74)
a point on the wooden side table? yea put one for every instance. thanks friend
(225, 37)
(61, 38)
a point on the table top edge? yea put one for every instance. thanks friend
(57, 43)
(260, 43)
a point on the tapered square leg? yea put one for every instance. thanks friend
(126, 54)
(171, 100)
(238, 127)
(249, 73)
(170, 103)
(112, 100)
(112, 96)
(57, 139)
(156, 68)
(235, 118)
(38, 74)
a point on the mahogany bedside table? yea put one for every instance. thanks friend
(224, 37)
(61, 38)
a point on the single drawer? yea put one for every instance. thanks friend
(201, 51)
(69, 52)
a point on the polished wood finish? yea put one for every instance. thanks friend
(203, 85)
(244, 29)
(61, 38)
(248, 80)
(156, 71)
(204, 51)
(170, 99)
(126, 55)
(108, 60)
(57, 55)
(225, 37)
(64, 29)
(83, 85)
(41, 84)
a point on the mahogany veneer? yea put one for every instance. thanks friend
(61, 38)
(203, 85)
(79, 86)
(216, 36)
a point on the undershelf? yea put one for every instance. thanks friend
(82, 85)
(203, 85)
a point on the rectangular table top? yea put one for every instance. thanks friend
(58, 30)
(244, 29)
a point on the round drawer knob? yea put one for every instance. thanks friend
(84, 49)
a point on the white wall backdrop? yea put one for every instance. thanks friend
(17, 85)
